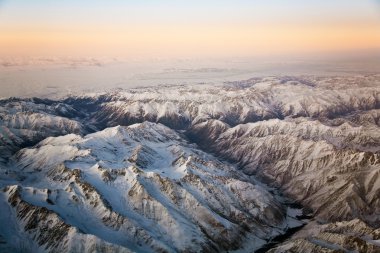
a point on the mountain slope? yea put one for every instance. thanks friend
(332, 170)
(347, 236)
(144, 188)
(26, 122)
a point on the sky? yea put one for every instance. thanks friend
(184, 28)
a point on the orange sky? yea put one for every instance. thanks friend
(195, 37)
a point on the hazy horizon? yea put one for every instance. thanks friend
(57, 77)
(57, 48)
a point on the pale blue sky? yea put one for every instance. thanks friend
(22, 11)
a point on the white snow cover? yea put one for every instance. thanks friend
(241, 102)
(145, 188)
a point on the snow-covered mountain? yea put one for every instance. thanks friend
(145, 186)
(333, 170)
(195, 168)
(346, 236)
(26, 122)
(238, 102)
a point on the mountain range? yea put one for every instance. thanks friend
(269, 164)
